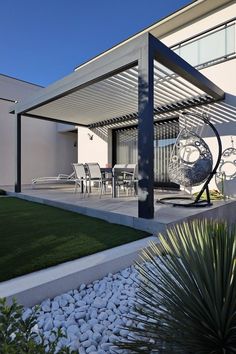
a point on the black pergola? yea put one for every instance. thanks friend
(136, 80)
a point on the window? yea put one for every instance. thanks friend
(208, 48)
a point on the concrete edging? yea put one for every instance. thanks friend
(33, 288)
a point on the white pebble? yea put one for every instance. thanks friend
(26, 314)
(48, 325)
(93, 317)
(99, 303)
(87, 343)
(91, 349)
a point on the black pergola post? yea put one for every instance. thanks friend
(18, 154)
(145, 133)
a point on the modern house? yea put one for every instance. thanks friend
(204, 34)
(131, 97)
(48, 148)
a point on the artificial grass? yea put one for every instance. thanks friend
(35, 236)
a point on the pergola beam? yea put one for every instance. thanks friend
(120, 59)
(174, 62)
(30, 115)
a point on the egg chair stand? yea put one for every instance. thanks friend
(198, 202)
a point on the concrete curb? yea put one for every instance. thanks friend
(33, 288)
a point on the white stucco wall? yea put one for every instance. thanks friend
(223, 75)
(94, 150)
(204, 23)
(45, 152)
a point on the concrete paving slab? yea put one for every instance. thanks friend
(124, 211)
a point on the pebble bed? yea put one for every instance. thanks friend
(92, 317)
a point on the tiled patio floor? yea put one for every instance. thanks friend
(124, 210)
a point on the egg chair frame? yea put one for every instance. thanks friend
(198, 202)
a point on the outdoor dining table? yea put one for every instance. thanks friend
(116, 172)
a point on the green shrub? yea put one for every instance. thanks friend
(18, 336)
(214, 195)
(186, 299)
(2, 192)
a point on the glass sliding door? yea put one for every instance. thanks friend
(165, 134)
(127, 145)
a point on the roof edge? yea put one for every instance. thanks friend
(146, 29)
(26, 82)
(160, 22)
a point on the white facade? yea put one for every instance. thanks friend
(91, 147)
(222, 74)
(193, 20)
(45, 150)
(50, 148)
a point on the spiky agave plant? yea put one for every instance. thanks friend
(186, 295)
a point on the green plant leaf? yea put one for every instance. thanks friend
(186, 295)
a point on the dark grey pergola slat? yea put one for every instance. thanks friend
(167, 108)
(140, 51)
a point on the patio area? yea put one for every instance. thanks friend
(123, 210)
(141, 83)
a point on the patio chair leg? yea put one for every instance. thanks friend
(84, 190)
(101, 188)
(89, 189)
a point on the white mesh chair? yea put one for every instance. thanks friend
(130, 178)
(118, 177)
(80, 177)
(95, 175)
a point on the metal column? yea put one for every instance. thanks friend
(145, 133)
(18, 154)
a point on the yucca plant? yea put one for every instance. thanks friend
(186, 294)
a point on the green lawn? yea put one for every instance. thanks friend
(34, 236)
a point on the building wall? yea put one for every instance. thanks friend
(95, 150)
(41, 138)
(204, 23)
(45, 152)
(222, 74)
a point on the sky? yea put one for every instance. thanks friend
(44, 40)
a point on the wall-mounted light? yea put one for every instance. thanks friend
(90, 136)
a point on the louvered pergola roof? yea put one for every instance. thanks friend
(106, 90)
(137, 80)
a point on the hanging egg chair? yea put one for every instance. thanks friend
(191, 163)
(191, 160)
